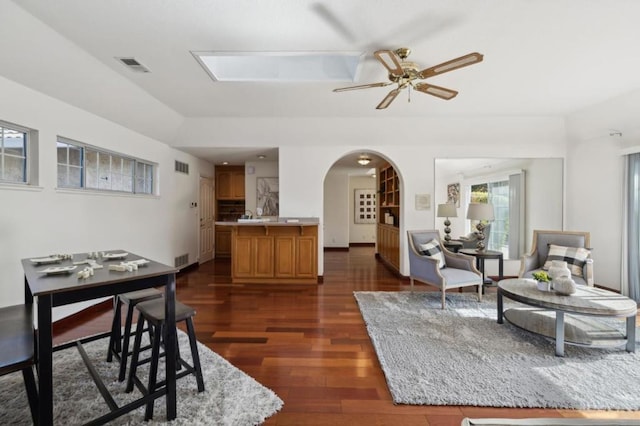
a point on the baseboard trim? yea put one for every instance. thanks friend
(188, 268)
(336, 249)
(362, 244)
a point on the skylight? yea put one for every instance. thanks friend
(281, 66)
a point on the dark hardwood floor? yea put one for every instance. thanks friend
(308, 344)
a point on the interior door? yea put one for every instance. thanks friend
(207, 215)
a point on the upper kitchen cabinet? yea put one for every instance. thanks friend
(230, 183)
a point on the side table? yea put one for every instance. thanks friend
(453, 246)
(481, 256)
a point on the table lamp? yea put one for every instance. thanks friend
(480, 212)
(447, 210)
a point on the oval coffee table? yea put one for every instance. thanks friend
(544, 314)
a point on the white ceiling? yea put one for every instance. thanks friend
(543, 57)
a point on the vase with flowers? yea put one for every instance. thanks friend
(543, 280)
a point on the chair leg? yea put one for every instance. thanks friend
(153, 370)
(411, 281)
(114, 339)
(480, 293)
(125, 343)
(194, 354)
(443, 299)
(32, 392)
(135, 356)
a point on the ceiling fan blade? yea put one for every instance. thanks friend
(388, 99)
(362, 86)
(334, 22)
(454, 64)
(390, 60)
(438, 91)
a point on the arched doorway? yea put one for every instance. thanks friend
(362, 205)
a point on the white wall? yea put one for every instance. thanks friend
(46, 220)
(336, 209)
(595, 179)
(359, 232)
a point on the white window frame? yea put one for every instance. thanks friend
(30, 173)
(113, 170)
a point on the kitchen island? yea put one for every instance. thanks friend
(274, 251)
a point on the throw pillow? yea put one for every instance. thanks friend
(432, 249)
(574, 256)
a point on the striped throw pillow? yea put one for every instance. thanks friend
(432, 249)
(574, 256)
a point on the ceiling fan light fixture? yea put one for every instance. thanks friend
(404, 74)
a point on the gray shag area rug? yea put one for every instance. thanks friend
(230, 398)
(462, 356)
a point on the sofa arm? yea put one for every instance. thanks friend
(461, 261)
(528, 262)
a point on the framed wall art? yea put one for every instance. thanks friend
(423, 201)
(453, 194)
(365, 206)
(268, 196)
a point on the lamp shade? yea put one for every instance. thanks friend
(447, 210)
(480, 211)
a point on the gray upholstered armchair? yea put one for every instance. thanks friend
(534, 261)
(458, 270)
(470, 241)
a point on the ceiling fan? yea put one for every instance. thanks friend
(405, 73)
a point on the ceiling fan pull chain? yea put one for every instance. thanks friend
(409, 97)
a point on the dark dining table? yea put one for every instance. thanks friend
(58, 289)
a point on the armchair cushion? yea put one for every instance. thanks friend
(433, 250)
(576, 257)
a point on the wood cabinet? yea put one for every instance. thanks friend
(230, 183)
(253, 257)
(230, 204)
(223, 241)
(389, 244)
(388, 232)
(274, 254)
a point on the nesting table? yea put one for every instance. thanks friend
(545, 311)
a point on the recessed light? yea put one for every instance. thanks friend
(262, 156)
(224, 163)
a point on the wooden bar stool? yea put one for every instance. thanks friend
(119, 345)
(17, 350)
(152, 312)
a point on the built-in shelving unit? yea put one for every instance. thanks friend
(388, 238)
(229, 210)
(230, 204)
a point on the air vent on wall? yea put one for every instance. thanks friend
(133, 64)
(182, 167)
(181, 260)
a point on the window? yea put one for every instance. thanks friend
(13, 153)
(83, 166)
(497, 194)
(69, 165)
(506, 192)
